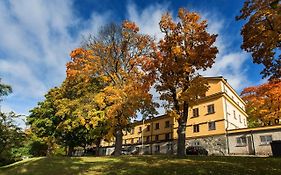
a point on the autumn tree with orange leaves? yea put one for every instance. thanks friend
(262, 34)
(264, 102)
(186, 48)
(123, 59)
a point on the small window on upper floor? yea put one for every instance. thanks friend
(156, 137)
(157, 126)
(211, 109)
(195, 112)
(245, 122)
(195, 128)
(140, 129)
(147, 139)
(132, 131)
(266, 139)
(212, 126)
(167, 136)
(240, 119)
(234, 114)
(148, 128)
(167, 124)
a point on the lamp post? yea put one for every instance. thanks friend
(142, 136)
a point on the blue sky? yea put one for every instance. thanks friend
(36, 37)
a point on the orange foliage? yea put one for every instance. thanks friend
(123, 60)
(264, 101)
(186, 48)
(262, 34)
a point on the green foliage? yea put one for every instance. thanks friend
(4, 90)
(11, 137)
(38, 148)
(68, 116)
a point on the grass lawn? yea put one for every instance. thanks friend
(137, 165)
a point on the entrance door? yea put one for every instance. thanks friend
(250, 146)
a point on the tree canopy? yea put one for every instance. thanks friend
(186, 48)
(123, 59)
(262, 34)
(264, 101)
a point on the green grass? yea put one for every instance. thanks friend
(138, 165)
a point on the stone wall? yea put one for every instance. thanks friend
(215, 145)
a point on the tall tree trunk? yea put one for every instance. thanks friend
(98, 147)
(182, 131)
(118, 141)
(70, 151)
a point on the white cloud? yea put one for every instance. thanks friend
(148, 19)
(36, 39)
(228, 63)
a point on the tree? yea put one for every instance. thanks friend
(123, 59)
(11, 136)
(263, 102)
(4, 90)
(262, 34)
(68, 116)
(186, 48)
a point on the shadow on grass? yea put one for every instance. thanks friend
(140, 165)
(47, 166)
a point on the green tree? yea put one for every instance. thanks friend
(68, 116)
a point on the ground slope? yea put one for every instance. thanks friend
(138, 165)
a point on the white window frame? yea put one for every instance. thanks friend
(241, 141)
(267, 139)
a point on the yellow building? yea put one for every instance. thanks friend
(222, 109)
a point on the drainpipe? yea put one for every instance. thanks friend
(253, 142)
(227, 124)
(142, 135)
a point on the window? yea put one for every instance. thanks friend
(211, 109)
(167, 124)
(167, 136)
(140, 128)
(147, 139)
(132, 141)
(156, 137)
(195, 112)
(148, 128)
(146, 149)
(241, 141)
(125, 141)
(265, 140)
(196, 143)
(244, 122)
(132, 131)
(169, 146)
(195, 128)
(240, 120)
(157, 126)
(234, 115)
(157, 148)
(139, 140)
(212, 126)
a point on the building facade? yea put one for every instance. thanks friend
(214, 123)
(253, 141)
